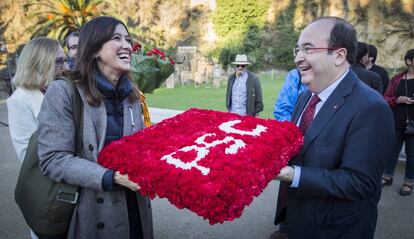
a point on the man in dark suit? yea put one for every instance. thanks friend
(371, 65)
(370, 78)
(334, 183)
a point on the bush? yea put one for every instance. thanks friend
(239, 23)
(242, 28)
(237, 15)
(283, 40)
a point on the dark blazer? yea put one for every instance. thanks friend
(341, 164)
(370, 78)
(254, 103)
(385, 78)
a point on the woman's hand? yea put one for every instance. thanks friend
(123, 180)
(405, 100)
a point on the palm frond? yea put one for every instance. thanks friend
(62, 16)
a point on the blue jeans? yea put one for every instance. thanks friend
(390, 164)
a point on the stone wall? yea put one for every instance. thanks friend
(195, 69)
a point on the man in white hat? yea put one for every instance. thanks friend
(244, 93)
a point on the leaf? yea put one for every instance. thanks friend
(150, 72)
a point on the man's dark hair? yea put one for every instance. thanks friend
(343, 35)
(362, 50)
(372, 52)
(409, 55)
(72, 34)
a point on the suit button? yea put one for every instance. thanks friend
(100, 225)
(90, 147)
(99, 200)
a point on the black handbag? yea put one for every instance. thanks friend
(47, 206)
(409, 128)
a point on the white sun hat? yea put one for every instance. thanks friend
(241, 60)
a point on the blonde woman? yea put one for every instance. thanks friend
(40, 61)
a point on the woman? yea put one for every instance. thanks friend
(40, 61)
(109, 206)
(400, 96)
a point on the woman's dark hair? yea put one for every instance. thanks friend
(409, 55)
(343, 35)
(92, 36)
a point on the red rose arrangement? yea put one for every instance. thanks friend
(150, 69)
(213, 163)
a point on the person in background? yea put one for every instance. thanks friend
(400, 96)
(371, 65)
(109, 205)
(40, 61)
(72, 41)
(334, 183)
(370, 78)
(244, 93)
(288, 95)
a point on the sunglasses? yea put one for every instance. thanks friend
(242, 66)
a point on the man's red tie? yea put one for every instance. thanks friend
(308, 113)
(307, 117)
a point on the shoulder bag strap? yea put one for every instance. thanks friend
(77, 108)
(406, 93)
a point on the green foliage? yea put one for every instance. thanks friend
(243, 29)
(237, 15)
(249, 44)
(57, 18)
(283, 40)
(239, 23)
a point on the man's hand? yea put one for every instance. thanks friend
(286, 174)
(405, 100)
(123, 180)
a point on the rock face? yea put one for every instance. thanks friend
(388, 24)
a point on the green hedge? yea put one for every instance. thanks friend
(242, 28)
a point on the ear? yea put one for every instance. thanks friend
(340, 57)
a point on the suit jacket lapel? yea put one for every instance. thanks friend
(98, 117)
(300, 106)
(329, 108)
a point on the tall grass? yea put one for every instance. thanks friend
(207, 97)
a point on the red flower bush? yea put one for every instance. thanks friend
(212, 163)
(150, 70)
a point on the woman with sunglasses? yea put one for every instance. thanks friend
(40, 61)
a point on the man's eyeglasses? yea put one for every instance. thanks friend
(242, 66)
(73, 47)
(309, 50)
(61, 61)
